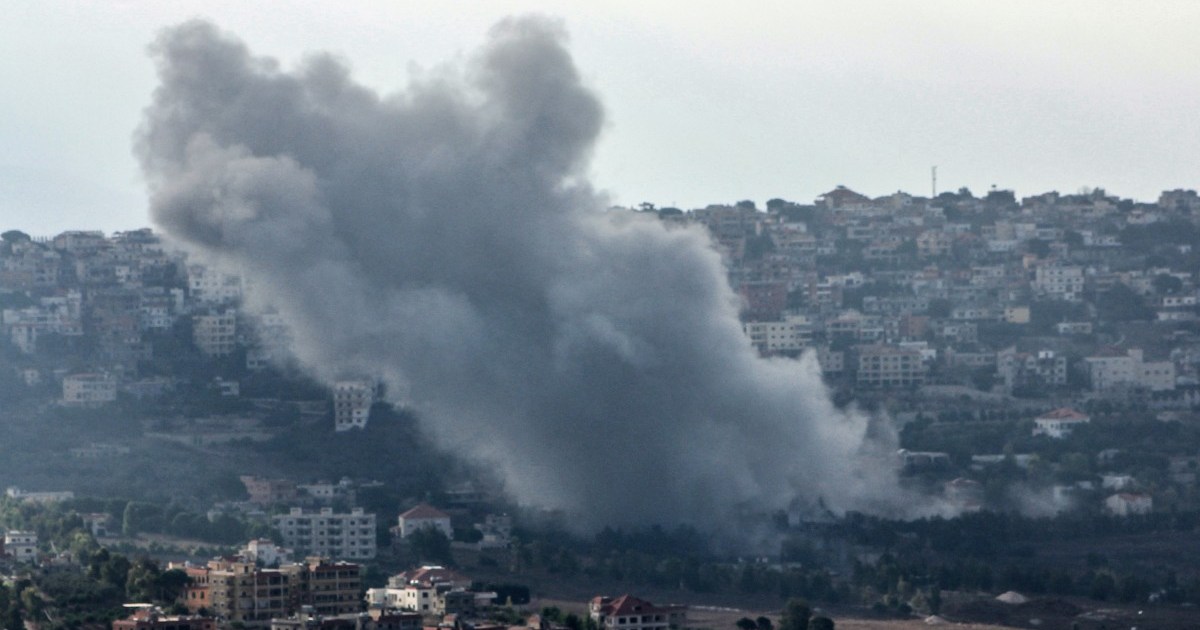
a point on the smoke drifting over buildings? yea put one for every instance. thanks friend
(446, 238)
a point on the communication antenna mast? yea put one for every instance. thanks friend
(933, 173)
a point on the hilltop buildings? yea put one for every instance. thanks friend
(328, 533)
(239, 591)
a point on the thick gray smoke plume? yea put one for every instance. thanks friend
(446, 238)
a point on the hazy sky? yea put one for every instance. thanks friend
(704, 104)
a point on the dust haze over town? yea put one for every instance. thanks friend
(416, 306)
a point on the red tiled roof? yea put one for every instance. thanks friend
(628, 605)
(1063, 413)
(424, 511)
(434, 575)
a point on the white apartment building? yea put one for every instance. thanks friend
(890, 366)
(215, 334)
(342, 536)
(264, 551)
(24, 496)
(21, 545)
(790, 335)
(1112, 369)
(90, 389)
(420, 598)
(352, 402)
(212, 286)
(1125, 504)
(832, 362)
(1063, 282)
(62, 315)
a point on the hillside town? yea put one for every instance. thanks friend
(1037, 356)
(1053, 308)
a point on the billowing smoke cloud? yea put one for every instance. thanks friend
(446, 238)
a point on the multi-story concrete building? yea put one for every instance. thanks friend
(239, 591)
(332, 588)
(327, 533)
(1156, 376)
(264, 491)
(90, 389)
(793, 334)
(215, 334)
(59, 315)
(21, 545)
(430, 590)
(1112, 368)
(212, 286)
(352, 402)
(1061, 282)
(890, 366)
(1044, 368)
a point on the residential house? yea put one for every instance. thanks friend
(352, 402)
(21, 545)
(422, 517)
(1127, 504)
(90, 389)
(631, 613)
(1059, 423)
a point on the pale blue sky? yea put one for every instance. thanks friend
(705, 104)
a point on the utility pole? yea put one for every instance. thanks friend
(933, 174)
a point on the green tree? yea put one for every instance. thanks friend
(141, 581)
(1166, 284)
(12, 236)
(940, 308)
(1103, 587)
(764, 623)
(796, 613)
(746, 623)
(141, 517)
(1038, 247)
(431, 545)
(1122, 304)
(821, 623)
(32, 603)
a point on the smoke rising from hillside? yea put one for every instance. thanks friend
(446, 237)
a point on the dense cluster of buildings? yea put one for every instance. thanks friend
(1028, 296)
(1060, 299)
(896, 291)
(936, 306)
(112, 302)
(239, 590)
